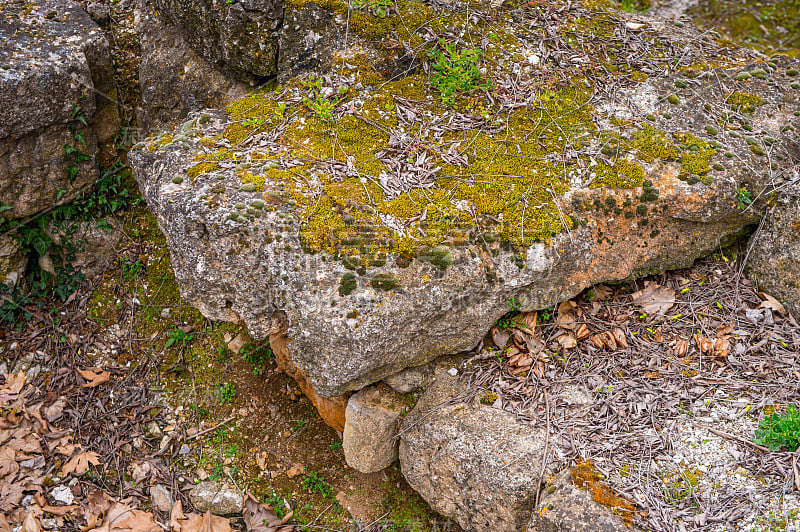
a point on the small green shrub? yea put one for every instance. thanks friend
(743, 198)
(455, 70)
(379, 8)
(314, 482)
(780, 431)
(177, 336)
(226, 393)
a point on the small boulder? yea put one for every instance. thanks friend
(58, 95)
(564, 506)
(773, 260)
(372, 421)
(475, 464)
(217, 497)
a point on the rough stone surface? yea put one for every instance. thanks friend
(12, 261)
(96, 241)
(409, 379)
(161, 498)
(775, 257)
(53, 59)
(471, 462)
(240, 36)
(173, 79)
(372, 421)
(217, 497)
(565, 507)
(273, 232)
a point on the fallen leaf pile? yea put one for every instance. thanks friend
(37, 494)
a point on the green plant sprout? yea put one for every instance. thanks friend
(780, 431)
(379, 8)
(454, 70)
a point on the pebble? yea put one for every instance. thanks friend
(161, 498)
(217, 497)
(184, 449)
(63, 495)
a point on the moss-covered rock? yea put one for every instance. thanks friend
(529, 184)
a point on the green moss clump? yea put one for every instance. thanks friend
(695, 155)
(744, 102)
(649, 192)
(488, 398)
(348, 284)
(439, 256)
(653, 144)
(384, 281)
(322, 226)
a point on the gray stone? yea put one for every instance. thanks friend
(372, 421)
(161, 498)
(218, 497)
(409, 379)
(96, 243)
(565, 507)
(56, 67)
(241, 37)
(473, 463)
(173, 79)
(12, 261)
(774, 262)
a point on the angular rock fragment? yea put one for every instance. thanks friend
(564, 506)
(372, 421)
(58, 96)
(774, 262)
(471, 462)
(173, 79)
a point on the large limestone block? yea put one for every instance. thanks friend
(380, 260)
(239, 36)
(775, 256)
(173, 79)
(372, 421)
(473, 463)
(55, 74)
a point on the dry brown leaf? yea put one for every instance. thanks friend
(79, 463)
(619, 336)
(724, 330)
(582, 331)
(771, 303)
(654, 298)
(96, 377)
(8, 463)
(703, 344)
(11, 389)
(179, 522)
(260, 517)
(31, 524)
(500, 337)
(4, 526)
(567, 315)
(721, 347)
(567, 341)
(602, 293)
(681, 348)
(59, 510)
(609, 340)
(597, 340)
(529, 319)
(122, 518)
